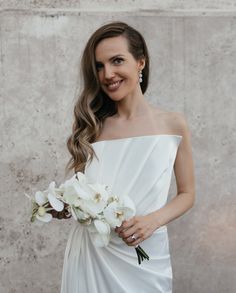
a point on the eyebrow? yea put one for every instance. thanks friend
(112, 58)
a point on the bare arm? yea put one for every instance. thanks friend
(184, 173)
(144, 226)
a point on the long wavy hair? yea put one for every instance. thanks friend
(93, 104)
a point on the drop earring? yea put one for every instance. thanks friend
(140, 76)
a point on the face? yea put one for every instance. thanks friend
(118, 70)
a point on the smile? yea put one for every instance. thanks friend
(114, 85)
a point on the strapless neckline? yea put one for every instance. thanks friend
(136, 137)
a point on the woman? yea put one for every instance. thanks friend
(122, 140)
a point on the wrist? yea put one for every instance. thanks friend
(156, 219)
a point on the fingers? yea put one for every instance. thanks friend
(131, 239)
(136, 242)
(130, 233)
(134, 226)
(125, 225)
(127, 234)
(134, 239)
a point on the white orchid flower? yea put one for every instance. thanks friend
(73, 190)
(81, 177)
(54, 190)
(53, 197)
(41, 199)
(102, 227)
(41, 211)
(98, 199)
(70, 197)
(89, 198)
(91, 208)
(118, 211)
(80, 215)
(100, 192)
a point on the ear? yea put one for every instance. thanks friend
(141, 64)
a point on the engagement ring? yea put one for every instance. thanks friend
(134, 237)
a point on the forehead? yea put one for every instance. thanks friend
(110, 47)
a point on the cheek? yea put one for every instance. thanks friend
(99, 75)
(131, 75)
(134, 79)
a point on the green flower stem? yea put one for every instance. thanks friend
(141, 254)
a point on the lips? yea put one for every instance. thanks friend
(113, 86)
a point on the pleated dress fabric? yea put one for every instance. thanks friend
(140, 167)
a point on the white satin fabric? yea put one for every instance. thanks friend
(141, 167)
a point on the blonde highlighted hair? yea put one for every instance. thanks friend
(94, 105)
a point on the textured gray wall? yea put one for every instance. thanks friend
(193, 53)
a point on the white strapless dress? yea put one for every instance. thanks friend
(141, 167)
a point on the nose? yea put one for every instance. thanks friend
(108, 72)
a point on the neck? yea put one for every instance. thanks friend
(132, 107)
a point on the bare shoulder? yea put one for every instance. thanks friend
(177, 122)
(173, 122)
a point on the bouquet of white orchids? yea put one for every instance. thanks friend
(91, 204)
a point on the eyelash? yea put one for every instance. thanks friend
(120, 60)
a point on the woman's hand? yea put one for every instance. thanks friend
(140, 227)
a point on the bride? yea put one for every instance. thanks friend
(121, 139)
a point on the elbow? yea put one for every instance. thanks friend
(192, 199)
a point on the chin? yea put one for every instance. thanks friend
(116, 98)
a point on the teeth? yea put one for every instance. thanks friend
(114, 84)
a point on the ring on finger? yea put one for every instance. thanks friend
(134, 237)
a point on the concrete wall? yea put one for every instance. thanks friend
(120, 4)
(193, 50)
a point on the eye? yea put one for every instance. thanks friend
(118, 60)
(98, 66)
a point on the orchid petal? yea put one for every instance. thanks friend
(102, 227)
(101, 189)
(81, 215)
(82, 192)
(110, 213)
(40, 198)
(70, 196)
(128, 214)
(46, 218)
(55, 203)
(92, 207)
(53, 190)
(81, 177)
